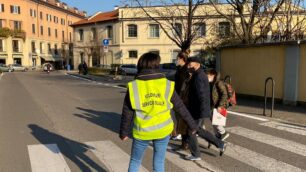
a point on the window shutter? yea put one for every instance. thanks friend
(18, 9)
(12, 9)
(2, 7)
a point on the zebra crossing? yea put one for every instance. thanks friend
(49, 157)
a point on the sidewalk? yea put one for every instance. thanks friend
(248, 106)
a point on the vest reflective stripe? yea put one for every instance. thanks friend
(152, 128)
(137, 103)
(151, 101)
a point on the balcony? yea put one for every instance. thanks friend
(6, 32)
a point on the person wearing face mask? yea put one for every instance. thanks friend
(218, 100)
(199, 108)
(181, 79)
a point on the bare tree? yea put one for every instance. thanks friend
(290, 21)
(250, 20)
(181, 20)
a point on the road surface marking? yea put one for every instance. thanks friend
(254, 159)
(248, 116)
(286, 127)
(178, 159)
(277, 142)
(115, 159)
(47, 158)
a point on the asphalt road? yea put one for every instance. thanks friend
(59, 123)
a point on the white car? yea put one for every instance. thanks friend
(17, 67)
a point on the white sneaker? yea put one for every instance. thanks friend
(178, 137)
(193, 158)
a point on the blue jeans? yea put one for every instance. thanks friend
(138, 149)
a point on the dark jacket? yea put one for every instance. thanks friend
(199, 95)
(180, 76)
(218, 95)
(128, 112)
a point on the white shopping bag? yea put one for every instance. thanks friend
(218, 119)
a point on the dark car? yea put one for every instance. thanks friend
(128, 69)
(169, 70)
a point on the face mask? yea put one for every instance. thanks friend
(191, 70)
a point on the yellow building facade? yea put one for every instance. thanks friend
(34, 32)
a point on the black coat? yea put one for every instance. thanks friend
(199, 95)
(180, 76)
(128, 112)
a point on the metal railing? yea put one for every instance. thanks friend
(272, 98)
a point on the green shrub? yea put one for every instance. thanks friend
(95, 70)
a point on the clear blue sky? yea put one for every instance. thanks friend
(93, 6)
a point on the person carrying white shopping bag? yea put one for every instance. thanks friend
(219, 118)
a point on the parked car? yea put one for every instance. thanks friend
(17, 67)
(45, 67)
(169, 70)
(4, 68)
(128, 69)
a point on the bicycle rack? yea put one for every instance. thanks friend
(273, 95)
(229, 78)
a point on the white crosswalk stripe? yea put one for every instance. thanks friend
(284, 144)
(47, 158)
(114, 158)
(254, 159)
(286, 127)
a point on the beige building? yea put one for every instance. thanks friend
(131, 33)
(33, 32)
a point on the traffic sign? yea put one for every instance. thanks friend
(105, 42)
(105, 49)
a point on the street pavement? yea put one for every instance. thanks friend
(57, 122)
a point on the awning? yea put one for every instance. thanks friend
(51, 58)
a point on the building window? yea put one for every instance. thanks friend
(32, 13)
(224, 29)
(55, 49)
(1, 23)
(49, 17)
(1, 8)
(17, 25)
(70, 36)
(1, 45)
(41, 30)
(81, 34)
(63, 21)
(15, 9)
(178, 29)
(49, 31)
(55, 19)
(154, 31)
(55, 32)
(63, 35)
(41, 15)
(110, 32)
(201, 29)
(33, 47)
(49, 48)
(94, 33)
(133, 54)
(132, 31)
(81, 57)
(16, 46)
(41, 47)
(33, 28)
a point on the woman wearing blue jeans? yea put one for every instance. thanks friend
(148, 105)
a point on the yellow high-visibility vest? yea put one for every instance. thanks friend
(151, 101)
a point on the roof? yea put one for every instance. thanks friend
(99, 17)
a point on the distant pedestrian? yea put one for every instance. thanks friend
(148, 103)
(219, 100)
(181, 80)
(80, 68)
(199, 107)
(85, 68)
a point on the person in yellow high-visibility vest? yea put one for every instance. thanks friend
(148, 108)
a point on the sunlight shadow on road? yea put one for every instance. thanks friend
(73, 150)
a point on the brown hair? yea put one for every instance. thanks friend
(148, 61)
(183, 56)
(212, 72)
